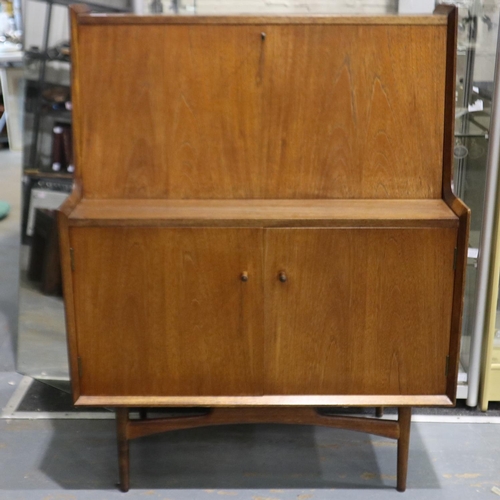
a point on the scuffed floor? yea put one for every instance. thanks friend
(76, 459)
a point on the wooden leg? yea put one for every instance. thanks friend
(136, 428)
(379, 411)
(143, 414)
(123, 451)
(404, 420)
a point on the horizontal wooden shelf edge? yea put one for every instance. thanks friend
(303, 223)
(231, 19)
(264, 401)
(263, 213)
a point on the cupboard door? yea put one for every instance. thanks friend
(163, 311)
(358, 311)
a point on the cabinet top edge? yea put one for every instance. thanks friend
(321, 19)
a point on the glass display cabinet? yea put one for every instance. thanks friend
(474, 170)
(489, 351)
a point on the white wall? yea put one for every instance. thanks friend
(34, 12)
(34, 18)
(484, 66)
(296, 6)
(34, 15)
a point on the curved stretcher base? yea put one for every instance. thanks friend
(132, 429)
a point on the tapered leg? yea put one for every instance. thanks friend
(379, 411)
(132, 429)
(123, 452)
(404, 419)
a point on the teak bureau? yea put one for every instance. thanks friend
(262, 222)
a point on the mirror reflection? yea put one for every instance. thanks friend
(47, 173)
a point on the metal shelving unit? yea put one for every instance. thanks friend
(47, 68)
(44, 56)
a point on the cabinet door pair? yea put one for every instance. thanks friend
(250, 311)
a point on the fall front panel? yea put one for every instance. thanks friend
(261, 111)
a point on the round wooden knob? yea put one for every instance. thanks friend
(244, 276)
(282, 276)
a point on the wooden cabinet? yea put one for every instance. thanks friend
(246, 311)
(273, 228)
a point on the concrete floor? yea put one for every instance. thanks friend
(76, 459)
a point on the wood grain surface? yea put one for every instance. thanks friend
(263, 401)
(283, 415)
(341, 111)
(404, 421)
(164, 311)
(248, 149)
(457, 206)
(263, 216)
(220, 111)
(76, 11)
(69, 303)
(377, 322)
(263, 213)
(363, 311)
(397, 20)
(129, 429)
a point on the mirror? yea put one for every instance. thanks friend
(47, 173)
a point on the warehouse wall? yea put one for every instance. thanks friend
(34, 12)
(34, 15)
(296, 6)
(487, 33)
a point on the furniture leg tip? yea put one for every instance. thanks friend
(124, 487)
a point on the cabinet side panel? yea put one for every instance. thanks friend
(261, 111)
(457, 206)
(164, 312)
(363, 311)
(69, 300)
